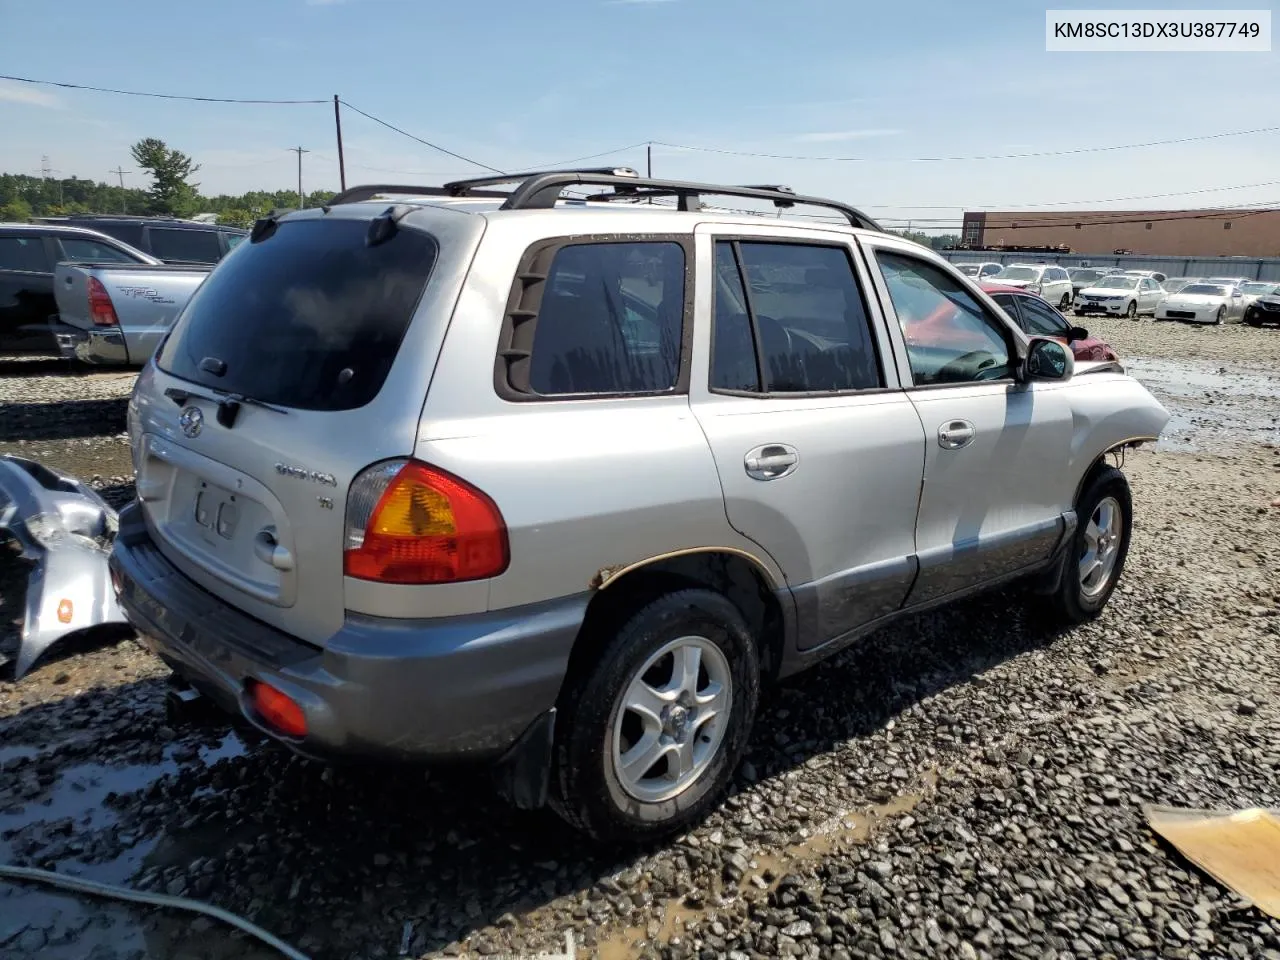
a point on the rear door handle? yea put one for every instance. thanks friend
(955, 434)
(771, 461)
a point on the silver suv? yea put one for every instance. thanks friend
(470, 472)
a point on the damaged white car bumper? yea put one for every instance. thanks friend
(66, 529)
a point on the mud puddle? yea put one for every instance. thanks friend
(1212, 406)
(71, 815)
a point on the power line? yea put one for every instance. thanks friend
(425, 143)
(139, 93)
(989, 156)
(1064, 203)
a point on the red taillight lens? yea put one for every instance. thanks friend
(277, 709)
(411, 523)
(100, 308)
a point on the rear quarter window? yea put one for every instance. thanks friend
(187, 246)
(310, 317)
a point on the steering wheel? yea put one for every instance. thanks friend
(974, 365)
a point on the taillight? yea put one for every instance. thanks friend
(100, 308)
(408, 522)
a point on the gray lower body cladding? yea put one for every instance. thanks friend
(408, 690)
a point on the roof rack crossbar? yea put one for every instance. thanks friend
(458, 188)
(541, 191)
(371, 190)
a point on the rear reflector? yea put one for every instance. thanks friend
(277, 709)
(408, 522)
(101, 309)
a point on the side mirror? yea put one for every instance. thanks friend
(1077, 333)
(1048, 360)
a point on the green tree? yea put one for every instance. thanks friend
(16, 211)
(171, 171)
(236, 217)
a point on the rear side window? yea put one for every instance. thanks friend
(311, 317)
(233, 239)
(607, 320)
(23, 253)
(797, 325)
(189, 246)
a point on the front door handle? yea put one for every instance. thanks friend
(955, 434)
(771, 461)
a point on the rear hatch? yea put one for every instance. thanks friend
(324, 333)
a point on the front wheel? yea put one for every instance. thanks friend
(1220, 316)
(649, 735)
(1092, 567)
(1131, 311)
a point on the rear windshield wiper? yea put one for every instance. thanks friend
(228, 403)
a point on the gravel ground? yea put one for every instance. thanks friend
(966, 784)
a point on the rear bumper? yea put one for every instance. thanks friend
(409, 690)
(105, 346)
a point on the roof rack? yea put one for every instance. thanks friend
(541, 190)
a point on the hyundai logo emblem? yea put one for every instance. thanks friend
(191, 420)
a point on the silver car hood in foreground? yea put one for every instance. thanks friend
(67, 529)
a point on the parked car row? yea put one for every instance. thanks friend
(34, 314)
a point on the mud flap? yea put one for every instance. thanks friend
(66, 530)
(523, 775)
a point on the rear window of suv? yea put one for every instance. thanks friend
(310, 317)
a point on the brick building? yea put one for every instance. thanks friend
(1197, 233)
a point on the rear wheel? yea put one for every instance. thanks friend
(651, 733)
(1131, 311)
(1065, 303)
(1220, 315)
(1092, 567)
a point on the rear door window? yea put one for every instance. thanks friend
(803, 307)
(25, 254)
(1041, 320)
(311, 317)
(80, 250)
(130, 233)
(185, 246)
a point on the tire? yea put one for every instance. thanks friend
(1079, 598)
(595, 729)
(1065, 303)
(1252, 321)
(1078, 313)
(1131, 311)
(1219, 316)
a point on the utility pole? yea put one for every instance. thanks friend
(120, 172)
(299, 151)
(648, 160)
(337, 122)
(45, 170)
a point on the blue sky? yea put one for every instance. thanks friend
(519, 84)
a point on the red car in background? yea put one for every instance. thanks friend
(1039, 318)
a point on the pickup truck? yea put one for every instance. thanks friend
(120, 312)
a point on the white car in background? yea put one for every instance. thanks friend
(1155, 275)
(980, 271)
(1203, 302)
(1120, 295)
(1254, 289)
(1050, 282)
(1174, 284)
